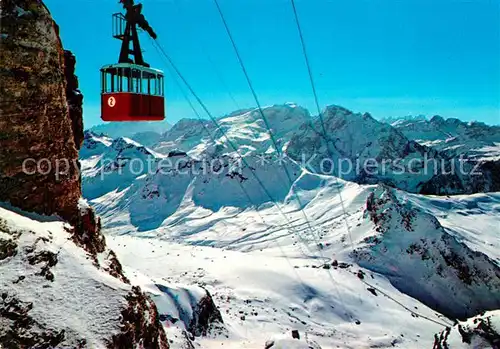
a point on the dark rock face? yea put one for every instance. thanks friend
(74, 98)
(204, 315)
(20, 330)
(140, 324)
(35, 123)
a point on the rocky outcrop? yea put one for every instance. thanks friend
(52, 270)
(48, 282)
(38, 154)
(204, 315)
(482, 331)
(194, 309)
(140, 323)
(421, 259)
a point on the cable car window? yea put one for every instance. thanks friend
(103, 80)
(139, 81)
(129, 80)
(153, 85)
(120, 79)
(108, 82)
(144, 83)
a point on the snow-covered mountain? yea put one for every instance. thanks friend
(454, 137)
(282, 247)
(245, 129)
(108, 164)
(361, 149)
(139, 130)
(391, 120)
(482, 331)
(420, 258)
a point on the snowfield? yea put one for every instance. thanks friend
(344, 264)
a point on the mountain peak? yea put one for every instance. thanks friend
(436, 119)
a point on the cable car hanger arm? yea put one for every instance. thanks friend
(133, 18)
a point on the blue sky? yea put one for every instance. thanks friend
(386, 57)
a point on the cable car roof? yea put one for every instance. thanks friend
(111, 67)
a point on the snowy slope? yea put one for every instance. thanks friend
(52, 291)
(271, 267)
(249, 233)
(261, 296)
(267, 278)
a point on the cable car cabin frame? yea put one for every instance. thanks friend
(131, 92)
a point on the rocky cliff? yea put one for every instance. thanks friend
(38, 153)
(423, 260)
(49, 269)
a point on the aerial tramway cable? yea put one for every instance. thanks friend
(325, 135)
(299, 201)
(266, 122)
(291, 228)
(320, 114)
(210, 60)
(214, 120)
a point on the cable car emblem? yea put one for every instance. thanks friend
(111, 101)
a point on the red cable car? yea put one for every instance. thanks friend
(130, 89)
(130, 92)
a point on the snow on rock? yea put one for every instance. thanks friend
(421, 259)
(367, 151)
(481, 331)
(189, 307)
(94, 144)
(55, 294)
(354, 139)
(454, 137)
